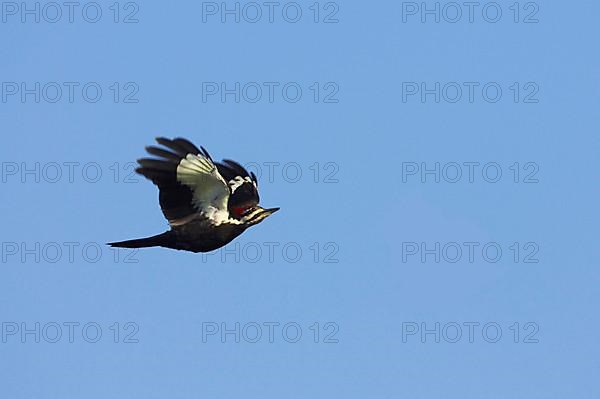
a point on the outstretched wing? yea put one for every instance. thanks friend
(243, 185)
(188, 180)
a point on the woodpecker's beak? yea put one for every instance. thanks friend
(270, 211)
(260, 214)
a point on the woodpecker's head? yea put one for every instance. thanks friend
(256, 214)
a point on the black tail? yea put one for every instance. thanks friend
(159, 240)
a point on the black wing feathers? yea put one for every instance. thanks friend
(159, 152)
(175, 198)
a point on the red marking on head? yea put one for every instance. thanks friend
(239, 210)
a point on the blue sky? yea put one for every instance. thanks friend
(438, 185)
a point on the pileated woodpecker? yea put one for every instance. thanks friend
(207, 203)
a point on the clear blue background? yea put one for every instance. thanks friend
(370, 292)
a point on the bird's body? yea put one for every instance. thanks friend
(207, 204)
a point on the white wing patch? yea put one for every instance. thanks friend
(211, 192)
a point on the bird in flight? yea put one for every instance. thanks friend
(207, 203)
